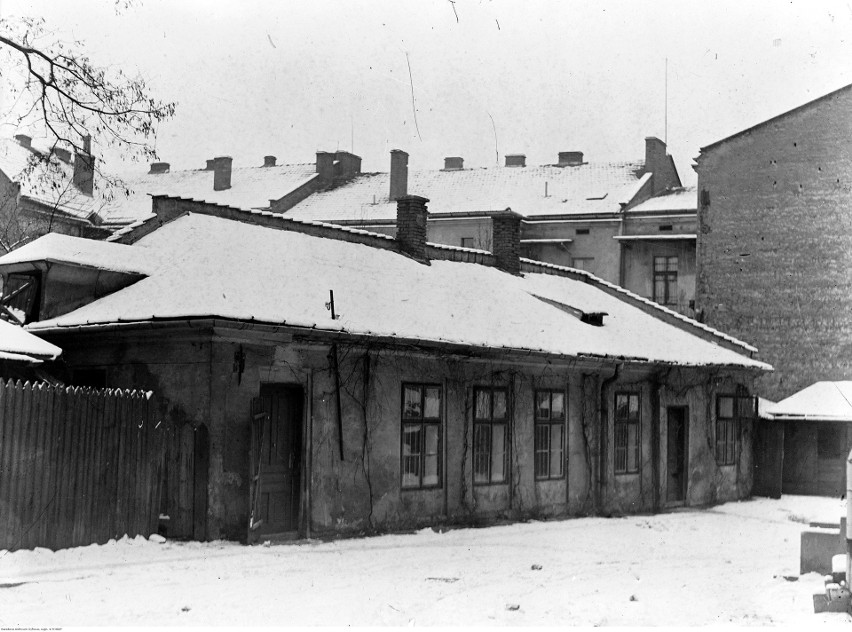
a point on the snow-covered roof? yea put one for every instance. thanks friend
(821, 401)
(203, 266)
(678, 199)
(20, 345)
(85, 252)
(577, 190)
(251, 187)
(46, 183)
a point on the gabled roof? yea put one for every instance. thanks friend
(55, 247)
(48, 184)
(572, 190)
(20, 345)
(753, 128)
(821, 401)
(209, 267)
(683, 199)
(251, 187)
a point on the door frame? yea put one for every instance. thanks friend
(685, 483)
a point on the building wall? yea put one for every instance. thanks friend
(596, 245)
(638, 264)
(775, 243)
(206, 376)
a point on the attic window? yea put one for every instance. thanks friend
(582, 231)
(593, 318)
(666, 228)
(20, 294)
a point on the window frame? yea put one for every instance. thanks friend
(728, 429)
(423, 422)
(668, 278)
(549, 423)
(627, 422)
(478, 426)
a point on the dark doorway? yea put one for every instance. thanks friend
(183, 505)
(676, 459)
(276, 461)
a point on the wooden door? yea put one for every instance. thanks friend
(769, 458)
(185, 475)
(276, 461)
(676, 461)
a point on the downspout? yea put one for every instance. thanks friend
(602, 460)
(335, 369)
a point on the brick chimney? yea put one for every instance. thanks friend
(325, 168)
(222, 173)
(453, 163)
(269, 161)
(506, 241)
(399, 174)
(24, 140)
(411, 214)
(84, 169)
(160, 167)
(655, 157)
(570, 158)
(347, 165)
(516, 160)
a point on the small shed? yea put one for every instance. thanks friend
(817, 436)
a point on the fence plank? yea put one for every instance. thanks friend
(32, 468)
(10, 519)
(7, 418)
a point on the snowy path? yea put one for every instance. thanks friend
(716, 566)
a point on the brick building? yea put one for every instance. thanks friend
(775, 241)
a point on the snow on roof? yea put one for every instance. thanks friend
(48, 184)
(821, 401)
(18, 344)
(678, 199)
(251, 187)
(205, 266)
(85, 252)
(590, 188)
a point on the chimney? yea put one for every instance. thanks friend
(159, 167)
(269, 161)
(210, 163)
(453, 163)
(347, 165)
(399, 175)
(506, 241)
(63, 154)
(655, 157)
(570, 158)
(411, 214)
(516, 160)
(222, 173)
(24, 140)
(84, 169)
(325, 168)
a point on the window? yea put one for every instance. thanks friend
(730, 411)
(421, 436)
(581, 231)
(665, 228)
(20, 296)
(490, 435)
(665, 280)
(626, 433)
(549, 434)
(583, 263)
(467, 242)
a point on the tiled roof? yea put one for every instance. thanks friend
(589, 188)
(679, 199)
(251, 187)
(210, 267)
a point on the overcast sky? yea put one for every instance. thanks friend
(488, 77)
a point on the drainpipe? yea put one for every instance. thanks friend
(848, 518)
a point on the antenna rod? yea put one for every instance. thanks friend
(666, 123)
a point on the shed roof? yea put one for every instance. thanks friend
(203, 266)
(821, 401)
(18, 344)
(546, 190)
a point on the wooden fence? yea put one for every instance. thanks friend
(77, 465)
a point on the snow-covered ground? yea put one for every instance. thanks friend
(721, 565)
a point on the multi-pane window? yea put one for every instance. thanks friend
(19, 296)
(490, 435)
(421, 436)
(626, 428)
(549, 434)
(730, 411)
(665, 280)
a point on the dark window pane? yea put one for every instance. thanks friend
(430, 462)
(634, 406)
(483, 404)
(542, 405)
(726, 407)
(499, 404)
(672, 264)
(556, 450)
(411, 450)
(411, 403)
(432, 403)
(557, 405)
(481, 452)
(498, 453)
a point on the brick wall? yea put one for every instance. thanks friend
(775, 242)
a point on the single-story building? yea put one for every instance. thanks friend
(815, 431)
(337, 381)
